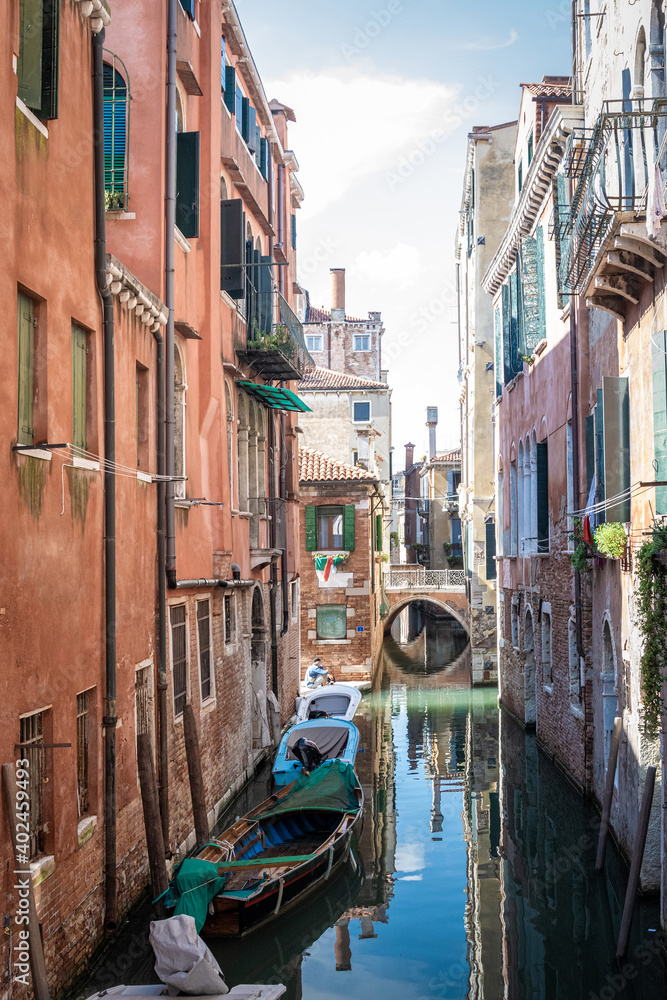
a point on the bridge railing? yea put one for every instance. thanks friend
(417, 577)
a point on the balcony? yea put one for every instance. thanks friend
(275, 349)
(268, 530)
(606, 253)
(415, 578)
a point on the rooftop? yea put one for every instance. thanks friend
(448, 456)
(315, 315)
(551, 87)
(324, 378)
(315, 467)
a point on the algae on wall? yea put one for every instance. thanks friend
(32, 473)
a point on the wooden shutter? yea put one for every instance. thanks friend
(490, 550)
(26, 376)
(30, 54)
(245, 118)
(599, 455)
(187, 183)
(616, 407)
(50, 35)
(189, 8)
(252, 129)
(232, 247)
(348, 527)
(378, 533)
(659, 359)
(590, 453)
(507, 335)
(264, 158)
(115, 134)
(79, 351)
(265, 296)
(498, 338)
(532, 291)
(311, 528)
(230, 89)
(293, 231)
(542, 497)
(516, 315)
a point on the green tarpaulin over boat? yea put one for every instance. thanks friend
(194, 885)
(329, 789)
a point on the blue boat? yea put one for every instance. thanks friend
(322, 739)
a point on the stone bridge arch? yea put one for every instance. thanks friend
(455, 605)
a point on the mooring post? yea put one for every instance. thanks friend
(195, 775)
(40, 983)
(635, 867)
(152, 821)
(608, 793)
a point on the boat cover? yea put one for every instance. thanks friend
(193, 886)
(331, 788)
(329, 739)
(182, 961)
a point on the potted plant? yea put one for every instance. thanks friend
(611, 539)
(583, 551)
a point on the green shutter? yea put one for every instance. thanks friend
(232, 247)
(311, 528)
(599, 456)
(378, 532)
(79, 351)
(590, 453)
(252, 129)
(245, 118)
(348, 527)
(264, 158)
(659, 357)
(517, 346)
(265, 296)
(616, 406)
(530, 294)
(498, 335)
(26, 358)
(187, 183)
(490, 550)
(542, 497)
(507, 336)
(30, 54)
(230, 89)
(50, 33)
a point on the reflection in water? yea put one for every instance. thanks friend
(473, 876)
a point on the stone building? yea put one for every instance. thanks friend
(342, 511)
(486, 206)
(440, 481)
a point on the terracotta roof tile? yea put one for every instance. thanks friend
(553, 90)
(324, 378)
(448, 456)
(315, 467)
(315, 315)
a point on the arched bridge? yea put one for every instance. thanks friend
(446, 588)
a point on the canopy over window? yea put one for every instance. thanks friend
(274, 397)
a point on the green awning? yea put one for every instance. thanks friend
(275, 397)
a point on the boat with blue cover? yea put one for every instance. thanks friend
(308, 744)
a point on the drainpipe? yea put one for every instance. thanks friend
(274, 570)
(576, 491)
(283, 496)
(110, 720)
(281, 222)
(163, 760)
(170, 222)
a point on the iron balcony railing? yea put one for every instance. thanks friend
(268, 526)
(419, 578)
(612, 164)
(276, 346)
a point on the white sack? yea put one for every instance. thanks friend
(182, 960)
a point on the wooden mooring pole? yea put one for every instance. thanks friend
(195, 775)
(608, 793)
(152, 820)
(23, 879)
(635, 867)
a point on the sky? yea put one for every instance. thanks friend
(385, 94)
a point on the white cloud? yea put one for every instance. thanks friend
(409, 857)
(399, 266)
(489, 45)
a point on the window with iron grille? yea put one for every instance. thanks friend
(143, 701)
(179, 657)
(82, 752)
(116, 131)
(230, 618)
(204, 640)
(31, 739)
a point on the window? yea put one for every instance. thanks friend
(116, 131)
(293, 231)
(546, 646)
(141, 393)
(31, 740)
(179, 657)
(82, 742)
(362, 342)
(355, 457)
(187, 183)
(500, 548)
(531, 144)
(230, 618)
(520, 175)
(570, 489)
(330, 527)
(332, 621)
(26, 352)
(542, 497)
(361, 412)
(204, 645)
(515, 622)
(315, 342)
(189, 8)
(521, 508)
(79, 356)
(490, 527)
(38, 56)
(573, 656)
(294, 594)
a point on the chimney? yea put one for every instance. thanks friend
(409, 456)
(431, 423)
(338, 294)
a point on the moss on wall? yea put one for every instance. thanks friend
(79, 489)
(32, 473)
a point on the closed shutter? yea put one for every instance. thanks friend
(265, 296)
(30, 54)
(264, 158)
(616, 406)
(507, 336)
(659, 358)
(232, 247)
(293, 231)
(230, 89)
(542, 497)
(252, 130)
(50, 33)
(79, 351)
(532, 291)
(490, 550)
(115, 137)
(253, 299)
(590, 452)
(517, 344)
(599, 456)
(187, 183)
(311, 528)
(26, 352)
(245, 118)
(378, 532)
(348, 527)
(498, 336)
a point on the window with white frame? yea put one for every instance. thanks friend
(230, 618)
(362, 342)
(179, 656)
(361, 412)
(315, 342)
(547, 666)
(294, 599)
(204, 649)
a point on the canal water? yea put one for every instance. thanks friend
(474, 874)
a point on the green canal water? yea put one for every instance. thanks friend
(474, 874)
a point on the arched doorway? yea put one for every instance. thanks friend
(610, 706)
(260, 729)
(529, 673)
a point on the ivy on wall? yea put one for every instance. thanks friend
(652, 621)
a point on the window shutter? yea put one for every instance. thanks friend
(230, 89)
(30, 54)
(498, 335)
(590, 452)
(187, 183)
(26, 339)
(238, 107)
(378, 532)
(490, 550)
(348, 527)
(189, 8)
(507, 335)
(264, 158)
(659, 358)
(115, 133)
(311, 528)
(265, 296)
(232, 247)
(599, 455)
(518, 347)
(50, 33)
(223, 63)
(616, 407)
(79, 350)
(542, 497)
(245, 118)
(293, 231)
(252, 130)
(532, 290)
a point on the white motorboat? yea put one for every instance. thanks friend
(331, 701)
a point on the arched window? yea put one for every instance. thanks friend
(116, 133)
(521, 501)
(180, 388)
(242, 450)
(180, 112)
(528, 637)
(528, 500)
(224, 192)
(640, 63)
(610, 706)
